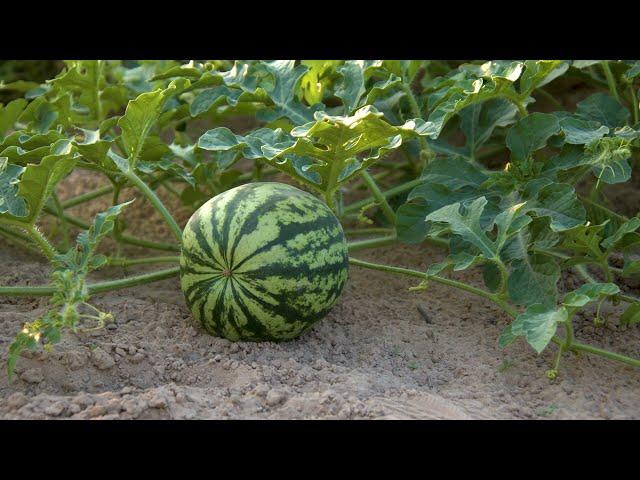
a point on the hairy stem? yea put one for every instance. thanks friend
(125, 262)
(415, 111)
(19, 239)
(392, 192)
(582, 271)
(156, 202)
(66, 239)
(550, 98)
(367, 231)
(605, 353)
(445, 281)
(156, 276)
(87, 197)
(609, 212)
(380, 198)
(634, 104)
(99, 287)
(610, 80)
(139, 242)
(373, 243)
(43, 243)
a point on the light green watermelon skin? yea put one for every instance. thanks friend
(262, 261)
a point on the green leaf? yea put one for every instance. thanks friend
(538, 324)
(506, 337)
(633, 72)
(589, 292)
(36, 185)
(84, 80)
(560, 203)
(139, 118)
(79, 258)
(609, 156)
(315, 81)
(491, 276)
(624, 237)
(410, 224)
(478, 121)
(9, 114)
(466, 224)
(93, 148)
(286, 78)
(456, 262)
(584, 63)
(351, 88)
(38, 116)
(323, 153)
(530, 134)
(631, 315)
(212, 97)
(585, 240)
(10, 202)
(631, 267)
(21, 156)
(453, 172)
(578, 131)
(533, 280)
(469, 85)
(446, 181)
(604, 109)
(383, 88)
(538, 73)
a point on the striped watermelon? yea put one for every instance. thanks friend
(262, 261)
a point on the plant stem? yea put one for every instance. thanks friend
(605, 353)
(494, 298)
(435, 278)
(139, 242)
(19, 239)
(372, 243)
(415, 111)
(156, 202)
(392, 192)
(610, 80)
(582, 271)
(125, 262)
(367, 231)
(102, 287)
(568, 326)
(609, 212)
(550, 98)
(42, 242)
(634, 102)
(86, 197)
(66, 239)
(381, 199)
(99, 287)
(556, 364)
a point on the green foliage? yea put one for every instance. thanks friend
(69, 303)
(465, 154)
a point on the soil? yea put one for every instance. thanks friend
(383, 352)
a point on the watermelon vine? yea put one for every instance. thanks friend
(486, 161)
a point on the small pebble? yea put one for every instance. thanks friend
(275, 397)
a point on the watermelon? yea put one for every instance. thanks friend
(262, 261)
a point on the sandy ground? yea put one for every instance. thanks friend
(375, 356)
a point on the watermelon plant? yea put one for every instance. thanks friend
(493, 162)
